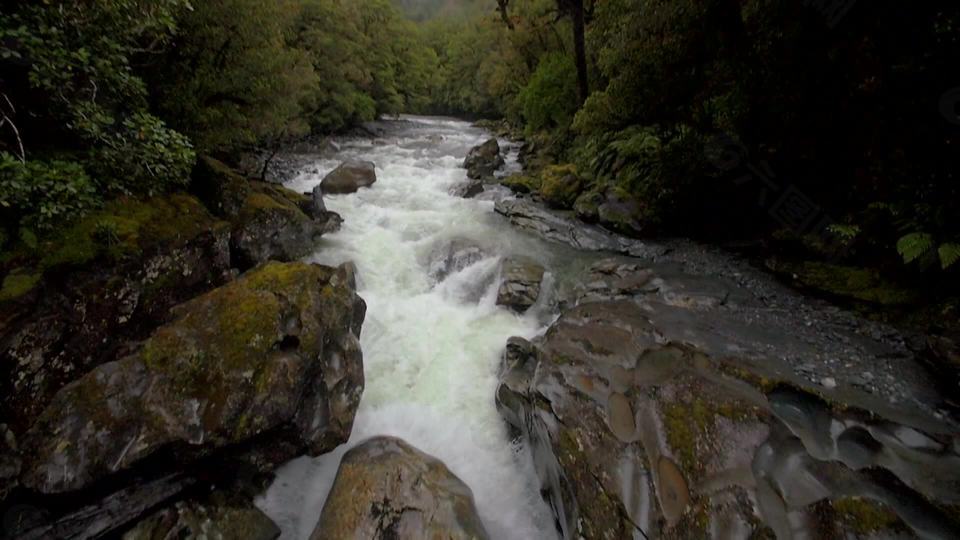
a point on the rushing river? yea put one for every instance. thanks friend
(431, 348)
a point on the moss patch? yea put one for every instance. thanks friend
(521, 183)
(866, 516)
(861, 284)
(560, 185)
(16, 285)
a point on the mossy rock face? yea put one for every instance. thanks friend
(107, 280)
(222, 189)
(521, 183)
(860, 284)
(587, 206)
(560, 186)
(385, 488)
(218, 515)
(272, 225)
(276, 349)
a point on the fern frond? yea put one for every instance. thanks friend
(912, 246)
(846, 232)
(949, 254)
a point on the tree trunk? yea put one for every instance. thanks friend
(580, 49)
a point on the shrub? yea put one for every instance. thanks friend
(550, 98)
(38, 195)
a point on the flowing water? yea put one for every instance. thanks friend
(431, 347)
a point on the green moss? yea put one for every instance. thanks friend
(857, 283)
(866, 516)
(522, 184)
(16, 285)
(560, 185)
(690, 424)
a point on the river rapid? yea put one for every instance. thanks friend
(431, 348)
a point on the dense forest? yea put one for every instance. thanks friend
(810, 127)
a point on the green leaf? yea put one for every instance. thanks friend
(912, 246)
(949, 254)
(29, 238)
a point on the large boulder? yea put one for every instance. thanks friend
(349, 177)
(387, 489)
(653, 410)
(274, 352)
(520, 284)
(104, 282)
(483, 160)
(277, 224)
(219, 515)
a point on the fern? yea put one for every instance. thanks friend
(913, 246)
(949, 254)
(846, 232)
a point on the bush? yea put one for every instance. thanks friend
(37, 195)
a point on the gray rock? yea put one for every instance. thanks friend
(468, 190)
(316, 198)
(387, 489)
(349, 177)
(621, 214)
(453, 256)
(520, 284)
(217, 516)
(483, 161)
(274, 351)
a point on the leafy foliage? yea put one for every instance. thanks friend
(549, 98)
(39, 195)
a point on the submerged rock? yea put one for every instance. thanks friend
(219, 515)
(453, 256)
(483, 160)
(653, 408)
(387, 489)
(520, 284)
(275, 351)
(349, 177)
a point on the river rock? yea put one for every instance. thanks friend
(109, 281)
(386, 489)
(276, 351)
(468, 190)
(621, 213)
(218, 515)
(587, 206)
(520, 284)
(273, 225)
(452, 256)
(653, 416)
(349, 177)
(483, 160)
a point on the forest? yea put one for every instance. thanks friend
(710, 115)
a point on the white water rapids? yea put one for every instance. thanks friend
(430, 350)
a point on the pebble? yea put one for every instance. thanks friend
(828, 382)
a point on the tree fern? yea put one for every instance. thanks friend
(913, 246)
(949, 254)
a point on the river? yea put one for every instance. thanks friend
(431, 349)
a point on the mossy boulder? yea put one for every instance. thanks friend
(273, 224)
(219, 515)
(520, 183)
(483, 160)
(87, 291)
(275, 351)
(386, 489)
(221, 188)
(560, 186)
(622, 213)
(587, 205)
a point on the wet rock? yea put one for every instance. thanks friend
(108, 515)
(483, 160)
(452, 256)
(646, 407)
(520, 284)
(556, 227)
(275, 351)
(218, 515)
(108, 281)
(587, 206)
(468, 190)
(349, 177)
(387, 489)
(272, 225)
(621, 214)
(219, 187)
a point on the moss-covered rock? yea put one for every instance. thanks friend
(520, 183)
(222, 189)
(851, 283)
(622, 213)
(587, 205)
(105, 280)
(272, 225)
(385, 488)
(274, 351)
(560, 186)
